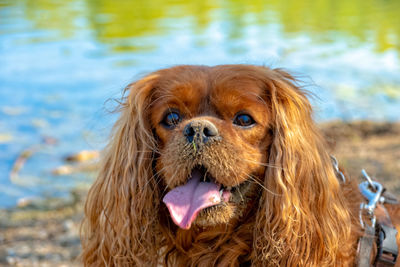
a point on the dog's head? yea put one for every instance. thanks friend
(216, 145)
(213, 129)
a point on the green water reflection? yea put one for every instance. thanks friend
(116, 22)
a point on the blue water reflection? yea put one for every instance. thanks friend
(61, 60)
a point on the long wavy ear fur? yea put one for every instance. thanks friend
(121, 207)
(302, 219)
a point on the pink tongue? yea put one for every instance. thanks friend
(184, 202)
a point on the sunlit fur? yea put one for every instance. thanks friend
(302, 216)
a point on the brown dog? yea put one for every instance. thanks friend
(220, 166)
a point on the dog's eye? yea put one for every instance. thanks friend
(243, 120)
(171, 119)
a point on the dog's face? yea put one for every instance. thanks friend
(212, 127)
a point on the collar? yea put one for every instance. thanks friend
(379, 232)
(377, 225)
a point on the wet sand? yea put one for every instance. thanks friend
(40, 234)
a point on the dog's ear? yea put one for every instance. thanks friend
(121, 207)
(302, 216)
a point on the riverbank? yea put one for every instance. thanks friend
(46, 233)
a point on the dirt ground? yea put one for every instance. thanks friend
(39, 235)
(372, 146)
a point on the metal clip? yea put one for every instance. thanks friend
(373, 197)
(372, 191)
(336, 166)
(366, 177)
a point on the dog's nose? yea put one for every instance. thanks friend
(200, 131)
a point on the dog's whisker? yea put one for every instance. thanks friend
(264, 164)
(146, 151)
(156, 176)
(240, 194)
(253, 179)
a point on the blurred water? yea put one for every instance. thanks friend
(61, 60)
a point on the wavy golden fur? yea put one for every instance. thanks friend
(295, 211)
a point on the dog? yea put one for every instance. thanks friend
(220, 166)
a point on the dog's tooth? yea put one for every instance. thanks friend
(221, 192)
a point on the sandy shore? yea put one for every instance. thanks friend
(40, 234)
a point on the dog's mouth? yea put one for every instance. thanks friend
(200, 192)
